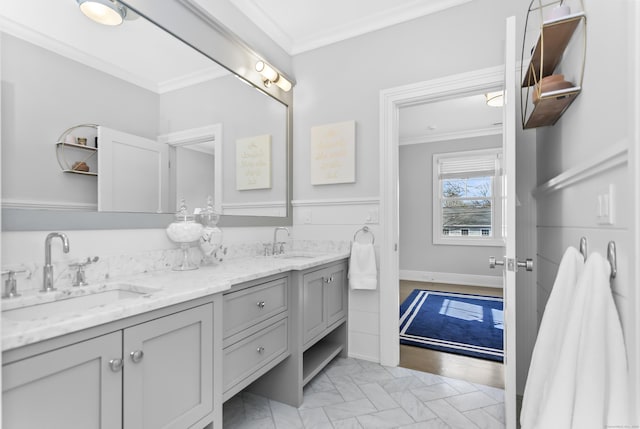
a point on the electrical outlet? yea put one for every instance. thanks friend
(306, 216)
(372, 216)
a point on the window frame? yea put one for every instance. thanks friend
(497, 199)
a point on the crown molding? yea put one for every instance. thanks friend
(36, 38)
(330, 35)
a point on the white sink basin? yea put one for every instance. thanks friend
(76, 303)
(297, 255)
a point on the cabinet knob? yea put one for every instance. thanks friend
(260, 349)
(136, 356)
(115, 364)
(260, 304)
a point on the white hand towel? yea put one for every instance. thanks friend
(363, 273)
(550, 337)
(602, 378)
(586, 384)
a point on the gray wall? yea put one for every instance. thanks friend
(417, 251)
(42, 95)
(601, 117)
(343, 81)
(243, 112)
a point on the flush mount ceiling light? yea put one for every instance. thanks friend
(495, 99)
(271, 76)
(107, 12)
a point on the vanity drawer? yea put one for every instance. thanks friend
(252, 305)
(245, 357)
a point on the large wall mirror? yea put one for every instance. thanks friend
(111, 127)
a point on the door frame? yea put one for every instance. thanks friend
(391, 100)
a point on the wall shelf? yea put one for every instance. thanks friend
(546, 56)
(64, 148)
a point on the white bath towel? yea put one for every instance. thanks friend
(586, 385)
(363, 273)
(550, 336)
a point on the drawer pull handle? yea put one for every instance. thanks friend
(328, 279)
(136, 356)
(115, 364)
(260, 349)
(260, 304)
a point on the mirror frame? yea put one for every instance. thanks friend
(190, 23)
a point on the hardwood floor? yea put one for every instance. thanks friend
(448, 364)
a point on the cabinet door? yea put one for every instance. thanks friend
(336, 294)
(314, 315)
(71, 387)
(169, 382)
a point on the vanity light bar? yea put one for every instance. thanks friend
(272, 76)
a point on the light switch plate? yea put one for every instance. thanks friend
(605, 206)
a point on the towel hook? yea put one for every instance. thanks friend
(583, 247)
(612, 258)
(366, 230)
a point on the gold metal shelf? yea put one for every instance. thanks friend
(546, 55)
(552, 42)
(550, 107)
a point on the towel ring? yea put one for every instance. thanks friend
(366, 230)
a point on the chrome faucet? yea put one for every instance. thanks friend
(274, 249)
(47, 278)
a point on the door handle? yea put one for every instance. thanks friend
(512, 264)
(493, 262)
(527, 264)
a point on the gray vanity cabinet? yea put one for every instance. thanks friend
(154, 372)
(256, 331)
(168, 371)
(317, 331)
(325, 300)
(72, 387)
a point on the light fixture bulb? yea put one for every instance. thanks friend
(283, 83)
(266, 71)
(495, 99)
(104, 12)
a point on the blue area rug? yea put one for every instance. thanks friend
(470, 325)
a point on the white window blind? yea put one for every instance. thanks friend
(461, 167)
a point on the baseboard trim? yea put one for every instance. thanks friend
(451, 278)
(363, 357)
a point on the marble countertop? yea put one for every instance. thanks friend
(142, 293)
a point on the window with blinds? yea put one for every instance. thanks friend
(467, 197)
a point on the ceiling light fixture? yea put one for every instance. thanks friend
(271, 76)
(495, 99)
(106, 12)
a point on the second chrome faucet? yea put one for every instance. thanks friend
(47, 274)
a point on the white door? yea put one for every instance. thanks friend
(133, 173)
(509, 222)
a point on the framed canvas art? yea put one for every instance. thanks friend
(253, 163)
(333, 153)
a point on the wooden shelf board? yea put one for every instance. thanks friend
(556, 34)
(317, 357)
(550, 107)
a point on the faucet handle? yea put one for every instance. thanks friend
(11, 284)
(80, 278)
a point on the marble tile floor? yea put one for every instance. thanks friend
(352, 393)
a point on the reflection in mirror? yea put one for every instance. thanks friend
(168, 118)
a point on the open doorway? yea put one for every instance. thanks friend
(449, 226)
